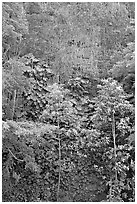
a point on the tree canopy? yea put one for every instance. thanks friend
(68, 101)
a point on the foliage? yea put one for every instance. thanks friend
(14, 27)
(84, 150)
(68, 130)
(28, 77)
(71, 36)
(40, 75)
(124, 64)
(113, 108)
(14, 83)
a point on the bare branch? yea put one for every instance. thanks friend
(114, 141)
(15, 156)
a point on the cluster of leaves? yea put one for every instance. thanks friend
(83, 140)
(60, 35)
(71, 36)
(124, 126)
(14, 83)
(66, 154)
(24, 87)
(116, 57)
(40, 75)
(124, 60)
(18, 161)
(14, 27)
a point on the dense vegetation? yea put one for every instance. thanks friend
(68, 96)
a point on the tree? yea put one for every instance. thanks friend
(124, 66)
(112, 120)
(14, 27)
(68, 129)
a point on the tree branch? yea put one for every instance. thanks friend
(15, 156)
(114, 141)
(14, 102)
(59, 171)
(59, 155)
